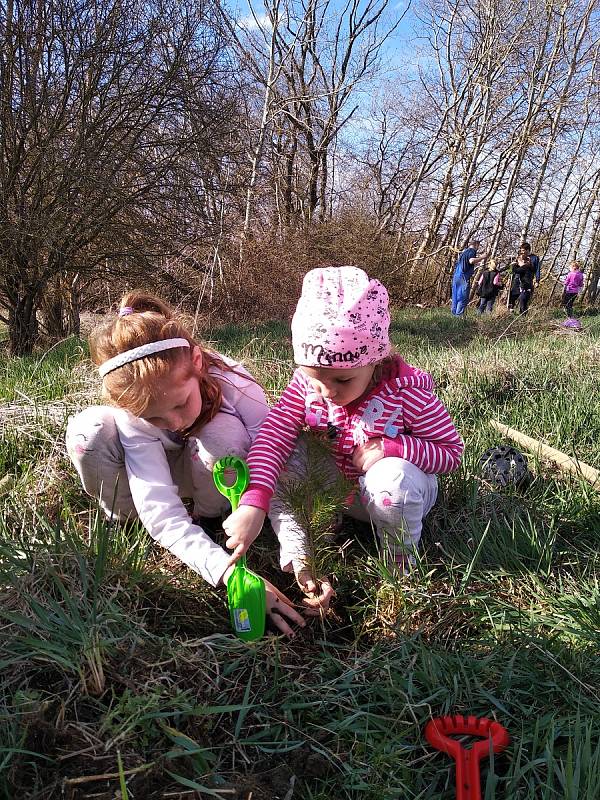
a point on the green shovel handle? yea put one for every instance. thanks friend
(234, 492)
(246, 594)
(242, 478)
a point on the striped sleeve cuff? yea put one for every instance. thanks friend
(258, 497)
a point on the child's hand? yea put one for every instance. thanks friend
(242, 527)
(279, 607)
(316, 604)
(365, 455)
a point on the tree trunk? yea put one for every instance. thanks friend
(74, 308)
(556, 116)
(290, 161)
(313, 184)
(323, 187)
(257, 151)
(592, 289)
(52, 314)
(22, 325)
(438, 212)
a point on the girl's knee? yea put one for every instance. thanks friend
(395, 482)
(95, 449)
(224, 435)
(394, 472)
(93, 431)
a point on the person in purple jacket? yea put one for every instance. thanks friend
(573, 285)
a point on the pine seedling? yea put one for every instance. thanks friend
(315, 498)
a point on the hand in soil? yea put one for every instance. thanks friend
(279, 608)
(318, 593)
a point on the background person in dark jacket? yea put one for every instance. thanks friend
(535, 260)
(523, 272)
(523, 258)
(488, 287)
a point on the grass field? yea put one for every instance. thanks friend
(118, 675)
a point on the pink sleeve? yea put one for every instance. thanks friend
(274, 444)
(433, 443)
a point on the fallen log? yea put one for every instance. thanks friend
(562, 460)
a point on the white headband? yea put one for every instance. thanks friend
(140, 352)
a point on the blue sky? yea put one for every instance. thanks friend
(398, 48)
(400, 56)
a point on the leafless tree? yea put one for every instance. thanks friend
(110, 115)
(503, 122)
(309, 60)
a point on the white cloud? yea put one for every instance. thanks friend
(251, 23)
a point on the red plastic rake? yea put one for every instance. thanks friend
(495, 738)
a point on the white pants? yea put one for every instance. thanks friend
(96, 451)
(394, 495)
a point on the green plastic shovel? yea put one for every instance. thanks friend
(246, 593)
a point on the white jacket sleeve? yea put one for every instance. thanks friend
(161, 511)
(243, 397)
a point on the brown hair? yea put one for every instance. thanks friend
(383, 368)
(133, 385)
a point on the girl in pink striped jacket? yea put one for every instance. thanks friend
(389, 431)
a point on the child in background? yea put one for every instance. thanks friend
(488, 288)
(389, 431)
(573, 285)
(176, 408)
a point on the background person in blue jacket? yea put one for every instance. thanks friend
(463, 272)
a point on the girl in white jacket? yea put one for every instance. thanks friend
(176, 408)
